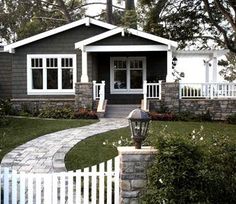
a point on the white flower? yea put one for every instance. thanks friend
(194, 132)
(160, 180)
(104, 143)
(193, 137)
(119, 142)
(201, 138)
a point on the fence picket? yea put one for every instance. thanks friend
(109, 182)
(6, 186)
(94, 184)
(86, 186)
(1, 178)
(14, 187)
(80, 187)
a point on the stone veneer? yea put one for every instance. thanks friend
(38, 104)
(133, 172)
(220, 109)
(83, 95)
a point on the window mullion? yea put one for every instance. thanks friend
(44, 74)
(59, 73)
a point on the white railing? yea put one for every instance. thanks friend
(207, 90)
(96, 184)
(99, 90)
(151, 91)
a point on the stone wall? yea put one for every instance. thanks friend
(38, 104)
(83, 95)
(220, 109)
(133, 172)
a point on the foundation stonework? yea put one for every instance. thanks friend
(133, 172)
(84, 95)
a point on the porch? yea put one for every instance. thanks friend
(218, 98)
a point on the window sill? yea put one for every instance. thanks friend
(46, 93)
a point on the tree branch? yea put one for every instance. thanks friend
(225, 13)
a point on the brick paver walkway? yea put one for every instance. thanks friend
(46, 153)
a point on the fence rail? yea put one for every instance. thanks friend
(96, 184)
(207, 90)
(151, 91)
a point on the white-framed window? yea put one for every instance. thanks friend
(127, 74)
(51, 74)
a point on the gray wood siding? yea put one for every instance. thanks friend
(156, 70)
(62, 43)
(5, 75)
(125, 40)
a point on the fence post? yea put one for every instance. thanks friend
(133, 172)
(102, 91)
(145, 95)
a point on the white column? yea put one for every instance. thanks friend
(206, 71)
(214, 66)
(169, 77)
(84, 76)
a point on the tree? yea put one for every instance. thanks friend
(229, 70)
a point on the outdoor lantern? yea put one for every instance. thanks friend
(138, 122)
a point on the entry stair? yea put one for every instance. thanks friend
(119, 110)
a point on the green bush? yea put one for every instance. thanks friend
(189, 116)
(57, 113)
(190, 170)
(232, 119)
(4, 110)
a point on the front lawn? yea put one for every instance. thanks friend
(99, 148)
(20, 130)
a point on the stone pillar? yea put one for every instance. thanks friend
(83, 95)
(133, 172)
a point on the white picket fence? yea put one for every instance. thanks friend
(151, 91)
(207, 90)
(99, 90)
(98, 184)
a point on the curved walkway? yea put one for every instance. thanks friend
(46, 153)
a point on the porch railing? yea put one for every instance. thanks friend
(207, 90)
(151, 91)
(98, 90)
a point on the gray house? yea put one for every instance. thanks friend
(45, 67)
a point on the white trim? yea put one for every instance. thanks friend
(117, 30)
(208, 53)
(46, 91)
(128, 90)
(126, 48)
(84, 76)
(87, 21)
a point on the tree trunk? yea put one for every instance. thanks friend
(129, 5)
(109, 12)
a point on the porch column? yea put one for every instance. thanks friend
(206, 71)
(169, 77)
(84, 76)
(214, 71)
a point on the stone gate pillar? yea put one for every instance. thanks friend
(133, 172)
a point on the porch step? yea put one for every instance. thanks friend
(119, 110)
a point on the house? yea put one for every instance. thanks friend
(66, 65)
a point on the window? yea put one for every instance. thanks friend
(127, 74)
(51, 74)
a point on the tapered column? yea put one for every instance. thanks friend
(84, 76)
(214, 71)
(206, 72)
(169, 77)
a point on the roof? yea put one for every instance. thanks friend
(121, 30)
(84, 21)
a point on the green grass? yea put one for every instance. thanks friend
(92, 150)
(20, 130)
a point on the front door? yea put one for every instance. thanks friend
(127, 75)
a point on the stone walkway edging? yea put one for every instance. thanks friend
(46, 153)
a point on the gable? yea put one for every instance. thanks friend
(127, 39)
(85, 21)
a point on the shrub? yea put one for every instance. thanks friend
(232, 119)
(189, 116)
(84, 113)
(162, 116)
(190, 170)
(3, 112)
(57, 113)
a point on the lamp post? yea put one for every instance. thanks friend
(138, 122)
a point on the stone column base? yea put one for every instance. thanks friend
(84, 95)
(133, 172)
